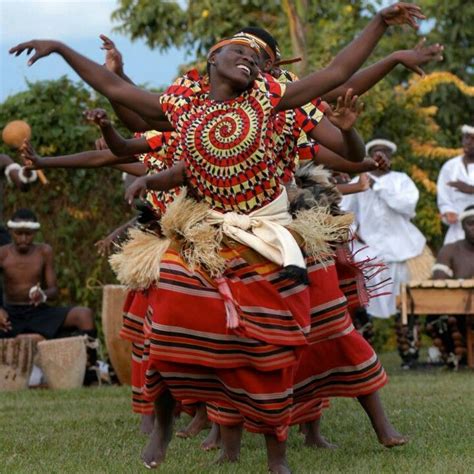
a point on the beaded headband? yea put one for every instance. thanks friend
(249, 40)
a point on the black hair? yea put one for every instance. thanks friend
(264, 35)
(24, 214)
(469, 208)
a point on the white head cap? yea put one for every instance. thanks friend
(467, 130)
(380, 142)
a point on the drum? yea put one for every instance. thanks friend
(119, 350)
(16, 362)
(63, 361)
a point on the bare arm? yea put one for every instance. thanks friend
(163, 181)
(348, 61)
(335, 162)
(444, 264)
(86, 159)
(13, 174)
(50, 280)
(365, 79)
(116, 89)
(135, 169)
(116, 143)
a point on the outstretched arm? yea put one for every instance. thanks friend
(135, 169)
(118, 145)
(348, 61)
(114, 63)
(335, 162)
(86, 159)
(116, 89)
(163, 181)
(412, 59)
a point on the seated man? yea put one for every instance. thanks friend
(29, 282)
(455, 260)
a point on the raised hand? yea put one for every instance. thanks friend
(383, 163)
(364, 182)
(450, 217)
(5, 324)
(28, 154)
(98, 117)
(113, 57)
(414, 58)
(104, 246)
(42, 48)
(346, 112)
(402, 14)
(137, 189)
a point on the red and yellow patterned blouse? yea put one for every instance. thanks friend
(291, 127)
(228, 146)
(161, 158)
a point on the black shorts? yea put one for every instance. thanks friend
(42, 319)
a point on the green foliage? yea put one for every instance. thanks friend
(77, 207)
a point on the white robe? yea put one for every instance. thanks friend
(452, 200)
(382, 216)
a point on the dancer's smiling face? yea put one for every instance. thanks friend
(237, 64)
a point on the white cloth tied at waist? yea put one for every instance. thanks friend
(263, 231)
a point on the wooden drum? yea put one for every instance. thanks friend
(16, 362)
(120, 350)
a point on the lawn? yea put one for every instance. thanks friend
(93, 431)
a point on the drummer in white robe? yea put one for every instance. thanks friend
(384, 229)
(456, 186)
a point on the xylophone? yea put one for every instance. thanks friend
(439, 297)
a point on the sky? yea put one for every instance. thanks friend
(78, 24)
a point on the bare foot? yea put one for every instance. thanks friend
(314, 438)
(197, 424)
(392, 438)
(146, 424)
(281, 468)
(154, 453)
(213, 440)
(226, 458)
(276, 455)
(231, 439)
(319, 441)
(387, 435)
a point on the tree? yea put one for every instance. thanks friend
(76, 208)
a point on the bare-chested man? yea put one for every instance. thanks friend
(455, 260)
(29, 282)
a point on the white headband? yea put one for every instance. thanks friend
(467, 130)
(466, 214)
(23, 225)
(380, 142)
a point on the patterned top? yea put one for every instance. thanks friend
(291, 127)
(228, 145)
(161, 158)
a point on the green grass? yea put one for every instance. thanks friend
(93, 431)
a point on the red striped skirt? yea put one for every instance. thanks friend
(133, 329)
(295, 344)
